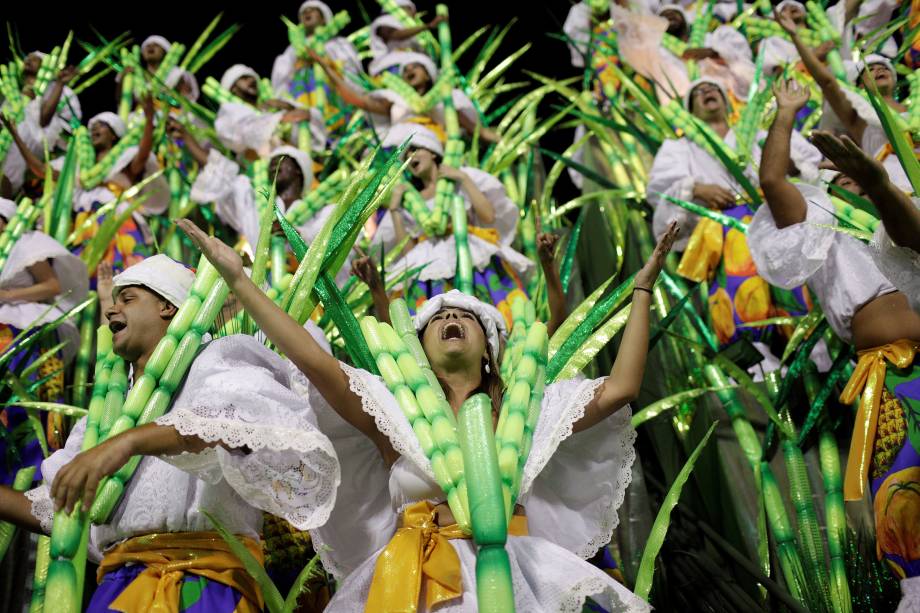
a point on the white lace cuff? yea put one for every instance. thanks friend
(42, 507)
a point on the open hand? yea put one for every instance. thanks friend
(648, 274)
(789, 94)
(80, 478)
(227, 261)
(785, 22)
(67, 74)
(713, 196)
(848, 158)
(546, 246)
(366, 270)
(449, 172)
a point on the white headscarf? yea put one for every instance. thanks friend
(402, 59)
(675, 7)
(159, 273)
(406, 4)
(785, 3)
(176, 75)
(7, 209)
(828, 175)
(488, 315)
(417, 135)
(875, 58)
(157, 40)
(234, 73)
(700, 81)
(111, 120)
(316, 4)
(302, 159)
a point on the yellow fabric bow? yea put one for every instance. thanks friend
(868, 380)
(169, 556)
(420, 552)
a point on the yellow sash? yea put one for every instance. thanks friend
(703, 252)
(168, 556)
(868, 380)
(490, 235)
(420, 552)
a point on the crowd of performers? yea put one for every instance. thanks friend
(337, 323)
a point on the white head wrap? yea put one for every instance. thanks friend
(177, 75)
(157, 40)
(875, 58)
(488, 315)
(688, 96)
(302, 159)
(7, 208)
(828, 175)
(403, 58)
(785, 3)
(316, 4)
(417, 135)
(234, 73)
(406, 4)
(675, 7)
(111, 120)
(159, 273)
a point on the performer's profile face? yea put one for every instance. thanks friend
(153, 53)
(421, 161)
(138, 319)
(416, 75)
(849, 184)
(101, 135)
(706, 100)
(311, 17)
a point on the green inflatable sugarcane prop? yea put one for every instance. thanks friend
(94, 175)
(62, 203)
(405, 370)
(494, 586)
(327, 191)
(410, 21)
(913, 102)
(447, 193)
(67, 551)
(758, 28)
(13, 103)
(817, 18)
(26, 216)
(152, 393)
(129, 59)
(698, 30)
(84, 352)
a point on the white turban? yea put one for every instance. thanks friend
(177, 75)
(828, 175)
(406, 4)
(110, 119)
(159, 273)
(488, 315)
(785, 3)
(417, 135)
(689, 95)
(157, 40)
(7, 208)
(302, 159)
(316, 4)
(235, 73)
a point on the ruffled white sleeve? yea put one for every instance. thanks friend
(364, 519)
(577, 480)
(506, 211)
(283, 70)
(671, 176)
(341, 50)
(220, 182)
(788, 257)
(729, 43)
(40, 497)
(464, 105)
(901, 265)
(271, 453)
(240, 127)
(156, 193)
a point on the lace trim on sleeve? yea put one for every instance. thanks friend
(574, 601)
(399, 433)
(901, 265)
(42, 507)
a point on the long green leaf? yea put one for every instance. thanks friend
(273, 600)
(51, 407)
(903, 148)
(663, 521)
(675, 400)
(577, 317)
(309, 571)
(593, 345)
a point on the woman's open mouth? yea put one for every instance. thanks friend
(453, 331)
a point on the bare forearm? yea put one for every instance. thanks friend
(156, 440)
(556, 296)
(35, 165)
(403, 33)
(899, 214)
(40, 292)
(139, 163)
(785, 202)
(49, 104)
(196, 150)
(17, 509)
(381, 303)
(483, 208)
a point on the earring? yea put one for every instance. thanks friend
(487, 367)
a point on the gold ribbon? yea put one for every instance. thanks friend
(490, 235)
(868, 381)
(169, 556)
(431, 124)
(420, 553)
(703, 252)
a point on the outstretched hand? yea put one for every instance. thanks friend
(546, 246)
(849, 158)
(227, 261)
(789, 94)
(366, 270)
(648, 274)
(785, 22)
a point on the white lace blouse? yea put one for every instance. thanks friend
(572, 480)
(237, 391)
(901, 265)
(837, 267)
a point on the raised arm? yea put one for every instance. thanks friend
(826, 80)
(366, 270)
(625, 380)
(289, 337)
(17, 509)
(46, 286)
(35, 165)
(388, 34)
(899, 215)
(785, 201)
(135, 169)
(370, 104)
(546, 249)
(469, 124)
(177, 131)
(53, 97)
(483, 208)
